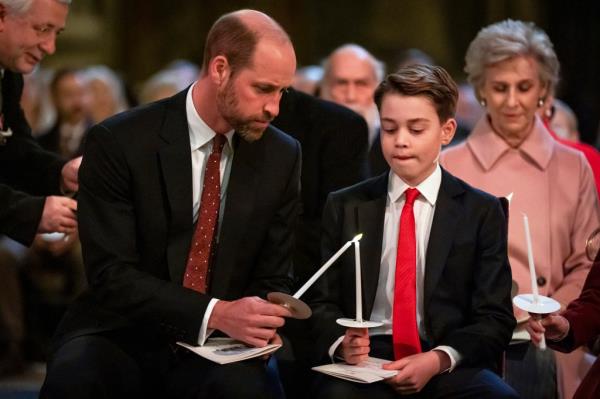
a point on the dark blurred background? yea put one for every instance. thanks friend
(138, 37)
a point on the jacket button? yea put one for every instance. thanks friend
(541, 281)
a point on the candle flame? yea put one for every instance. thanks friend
(357, 237)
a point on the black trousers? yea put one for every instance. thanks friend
(121, 365)
(461, 383)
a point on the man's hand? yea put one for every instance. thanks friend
(58, 216)
(251, 320)
(415, 371)
(356, 345)
(555, 327)
(56, 247)
(69, 172)
(276, 340)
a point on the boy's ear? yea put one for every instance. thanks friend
(448, 130)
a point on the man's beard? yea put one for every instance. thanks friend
(228, 105)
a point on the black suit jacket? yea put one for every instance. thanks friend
(135, 223)
(377, 163)
(467, 276)
(24, 168)
(334, 149)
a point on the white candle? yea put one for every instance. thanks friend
(358, 281)
(534, 287)
(324, 268)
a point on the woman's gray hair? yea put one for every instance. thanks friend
(20, 7)
(508, 39)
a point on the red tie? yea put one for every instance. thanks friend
(197, 270)
(404, 320)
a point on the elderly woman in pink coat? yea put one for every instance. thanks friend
(513, 67)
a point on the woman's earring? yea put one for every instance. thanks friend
(483, 102)
(540, 102)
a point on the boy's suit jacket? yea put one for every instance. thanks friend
(467, 302)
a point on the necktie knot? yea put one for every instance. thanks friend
(218, 143)
(411, 195)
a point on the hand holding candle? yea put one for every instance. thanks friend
(534, 303)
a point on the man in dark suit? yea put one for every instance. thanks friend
(28, 174)
(578, 325)
(434, 263)
(154, 277)
(24, 166)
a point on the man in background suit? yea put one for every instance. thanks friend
(350, 76)
(67, 136)
(30, 178)
(26, 36)
(440, 282)
(142, 188)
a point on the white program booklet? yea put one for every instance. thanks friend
(224, 350)
(366, 372)
(520, 334)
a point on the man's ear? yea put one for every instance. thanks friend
(448, 130)
(219, 70)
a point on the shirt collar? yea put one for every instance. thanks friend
(428, 188)
(200, 132)
(488, 147)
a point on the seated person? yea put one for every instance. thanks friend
(434, 260)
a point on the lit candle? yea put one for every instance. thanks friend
(534, 287)
(358, 281)
(326, 266)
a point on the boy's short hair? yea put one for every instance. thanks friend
(429, 81)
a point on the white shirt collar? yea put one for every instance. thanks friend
(200, 132)
(429, 188)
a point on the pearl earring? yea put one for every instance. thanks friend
(483, 102)
(540, 103)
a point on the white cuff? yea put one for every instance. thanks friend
(452, 353)
(334, 347)
(204, 330)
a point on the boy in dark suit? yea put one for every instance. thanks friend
(434, 262)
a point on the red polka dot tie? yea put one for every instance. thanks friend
(404, 320)
(197, 270)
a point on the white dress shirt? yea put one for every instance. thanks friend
(424, 209)
(201, 137)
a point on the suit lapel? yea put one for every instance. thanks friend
(239, 204)
(370, 216)
(448, 212)
(176, 165)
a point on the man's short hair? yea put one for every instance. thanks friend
(20, 7)
(432, 82)
(230, 37)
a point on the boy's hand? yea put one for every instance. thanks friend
(356, 345)
(415, 371)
